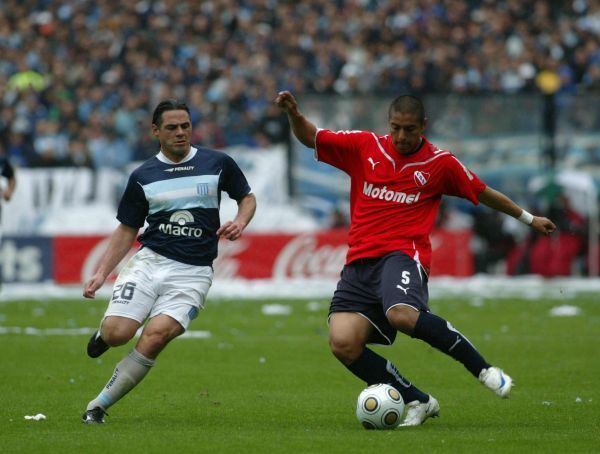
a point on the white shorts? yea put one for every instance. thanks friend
(150, 284)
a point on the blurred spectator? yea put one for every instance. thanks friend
(50, 144)
(561, 254)
(274, 125)
(20, 149)
(107, 149)
(79, 155)
(451, 217)
(492, 241)
(338, 219)
(68, 62)
(208, 134)
(26, 79)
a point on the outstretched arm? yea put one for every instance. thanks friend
(303, 129)
(232, 230)
(498, 201)
(119, 245)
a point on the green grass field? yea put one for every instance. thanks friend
(268, 383)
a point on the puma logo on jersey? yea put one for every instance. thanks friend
(405, 290)
(373, 163)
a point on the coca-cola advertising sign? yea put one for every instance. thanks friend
(265, 256)
(283, 256)
(76, 259)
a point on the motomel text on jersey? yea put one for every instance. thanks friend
(178, 230)
(389, 196)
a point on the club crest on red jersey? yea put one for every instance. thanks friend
(421, 178)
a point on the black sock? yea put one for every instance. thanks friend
(440, 334)
(373, 369)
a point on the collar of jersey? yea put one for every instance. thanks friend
(413, 153)
(162, 158)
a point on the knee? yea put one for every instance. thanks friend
(403, 318)
(115, 334)
(346, 349)
(152, 342)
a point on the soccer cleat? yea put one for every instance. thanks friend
(94, 416)
(96, 346)
(417, 412)
(495, 379)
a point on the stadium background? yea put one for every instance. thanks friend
(511, 87)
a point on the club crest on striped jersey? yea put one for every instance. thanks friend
(421, 178)
(203, 188)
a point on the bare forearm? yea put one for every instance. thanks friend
(119, 245)
(246, 210)
(304, 130)
(232, 230)
(498, 201)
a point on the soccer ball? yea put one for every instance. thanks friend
(379, 407)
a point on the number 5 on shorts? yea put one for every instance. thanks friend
(405, 277)
(126, 291)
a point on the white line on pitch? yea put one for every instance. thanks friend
(31, 331)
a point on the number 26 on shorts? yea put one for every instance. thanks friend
(124, 291)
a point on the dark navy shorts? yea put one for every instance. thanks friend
(372, 286)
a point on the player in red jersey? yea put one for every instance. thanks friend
(397, 182)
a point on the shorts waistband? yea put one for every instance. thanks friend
(365, 260)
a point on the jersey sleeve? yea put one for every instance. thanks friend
(338, 148)
(133, 207)
(459, 181)
(234, 181)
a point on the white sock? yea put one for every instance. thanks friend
(128, 373)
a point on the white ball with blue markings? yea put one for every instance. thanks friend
(379, 407)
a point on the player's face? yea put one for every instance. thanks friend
(174, 134)
(406, 130)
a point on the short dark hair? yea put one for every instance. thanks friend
(408, 104)
(164, 106)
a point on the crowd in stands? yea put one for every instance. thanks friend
(79, 78)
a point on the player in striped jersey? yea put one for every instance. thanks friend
(177, 193)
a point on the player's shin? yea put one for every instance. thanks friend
(440, 334)
(129, 372)
(372, 368)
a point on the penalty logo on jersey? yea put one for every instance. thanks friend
(421, 178)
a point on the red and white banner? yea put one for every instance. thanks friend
(76, 258)
(282, 256)
(267, 256)
(452, 255)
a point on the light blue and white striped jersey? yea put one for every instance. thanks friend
(181, 202)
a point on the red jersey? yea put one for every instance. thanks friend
(394, 198)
